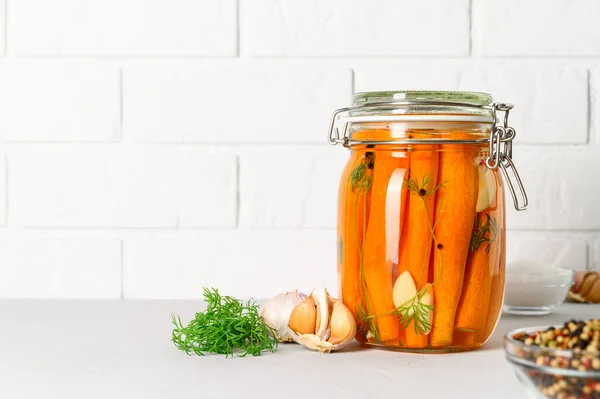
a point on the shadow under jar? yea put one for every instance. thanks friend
(421, 216)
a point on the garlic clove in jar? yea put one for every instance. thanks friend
(427, 299)
(486, 192)
(404, 291)
(303, 318)
(277, 310)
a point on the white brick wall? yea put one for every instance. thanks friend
(536, 28)
(152, 147)
(355, 28)
(45, 102)
(136, 187)
(294, 188)
(124, 28)
(2, 27)
(2, 189)
(174, 104)
(60, 267)
(595, 104)
(249, 263)
(558, 249)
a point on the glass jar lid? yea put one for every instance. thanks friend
(423, 96)
(461, 106)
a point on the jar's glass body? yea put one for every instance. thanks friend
(421, 236)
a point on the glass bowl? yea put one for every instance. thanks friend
(553, 372)
(535, 291)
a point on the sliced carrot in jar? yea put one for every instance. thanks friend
(389, 172)
(455, 212)
(477, 287)
(417, 236)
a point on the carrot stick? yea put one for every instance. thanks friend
(477, 287)
(455, 205)
(414, 340)
(416, 240)
(464, 339)
(497, 297)
(377, 261)
(349, 238)
(497, 290)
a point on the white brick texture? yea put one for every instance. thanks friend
(125, 27)
(536, 28)
(330, 28)
(595, 261)
(2, 189)
(534, 91)
(60, 268)
(595, 105)
(2, 27)
(45, 102)
(559, 250)
(257, 263)
(561, 190)
(241, 105)
(291, 188)
(138, 188)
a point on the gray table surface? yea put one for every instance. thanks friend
(122, 349)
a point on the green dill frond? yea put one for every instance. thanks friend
(361, 178)
(485, 232)
(416, 312)
(227, 326)
(425, 188)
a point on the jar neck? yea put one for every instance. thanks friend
(418, 133)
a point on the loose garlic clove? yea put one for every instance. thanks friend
(323, 311)
(343, 325)
(304, 317)
(335, 325)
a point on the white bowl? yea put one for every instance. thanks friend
(533, 288)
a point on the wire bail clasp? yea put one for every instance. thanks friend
(334, 133)
(501, 138)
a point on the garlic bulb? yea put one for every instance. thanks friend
(277, 310)
(322, 323)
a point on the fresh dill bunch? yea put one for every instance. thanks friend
(227, 326)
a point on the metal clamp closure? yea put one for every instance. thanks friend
(334, 133)
(501, 138)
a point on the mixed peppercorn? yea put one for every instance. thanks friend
(580, 337)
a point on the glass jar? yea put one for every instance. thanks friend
(421, 217)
